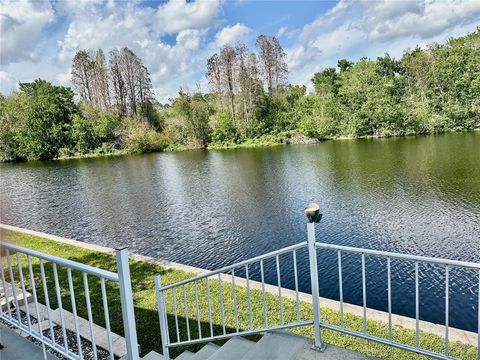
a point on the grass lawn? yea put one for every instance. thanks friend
(147, 316)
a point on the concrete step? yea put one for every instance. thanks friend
(185, 355)
(276, 345)
(233, 349)
(205, 352)
(331, 353)
(7, 296)
(42, 310)
(153, 355)
(100, 333)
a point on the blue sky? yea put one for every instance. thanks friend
(174, 38)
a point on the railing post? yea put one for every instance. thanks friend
(126, 298)
(162, 316)
(313, 214)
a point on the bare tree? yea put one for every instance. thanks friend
(272, 59)
(101, 90)
(117, 82)
(82, 74)
(249, 85)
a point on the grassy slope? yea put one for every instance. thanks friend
(147, 317)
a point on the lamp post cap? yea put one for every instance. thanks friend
(313, 213)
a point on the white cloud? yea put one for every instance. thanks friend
(178, 15)
(4, 76)
(352, 29)
(21, 23)
(64, 79)
(190, 38)
(231, 34)
(143, 29)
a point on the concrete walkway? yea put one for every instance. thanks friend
(16, 347)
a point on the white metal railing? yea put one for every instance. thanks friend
(313, 247)
(13, 276)
(220, 276)
(416, 260)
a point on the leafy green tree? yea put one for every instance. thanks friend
(344, 64)
(224, 129)
(92, 129)
(317, 116)
(326, 82)
(195, 111)
(39, 117)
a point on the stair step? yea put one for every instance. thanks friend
(7, 296)
(233, 349)
(185, 355)
(153, 355)
(331, 353)
(100, 334)
(276, 345)
(205, 352)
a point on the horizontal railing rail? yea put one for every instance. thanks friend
(228, 268)
(416, 260)
(424, 259)
(107, 275)
(22, 268)
(226, 276)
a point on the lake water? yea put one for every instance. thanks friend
(417, 195)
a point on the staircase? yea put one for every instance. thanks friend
(277, 345)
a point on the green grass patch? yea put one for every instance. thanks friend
(146, 310)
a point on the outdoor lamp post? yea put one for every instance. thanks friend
(312, 211)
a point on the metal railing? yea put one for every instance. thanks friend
(416, 260)
(203, 284)
(169, 293)
(39, 268)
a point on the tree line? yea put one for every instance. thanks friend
(249, 101)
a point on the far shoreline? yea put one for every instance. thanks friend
(266, 141)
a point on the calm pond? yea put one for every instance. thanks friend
(417, 195)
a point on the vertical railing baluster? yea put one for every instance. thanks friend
(221, 303)
(47, 302)
(235, 300)
(295, 274)
(107, 318)
(250, 317)
(186, 312)
(198, 311)
(13, 286)
(447, 296)
(340, 287)
(60, 307)
(24, 292)
(417, 307)
(280, 300)
(74, 311)
(162, 318)
(4, 285)
(174, 299)
(389, 292)
(209, 306)
(35, 301)
(364, 293)
(126, 301)
(263, 295)
(89, 314)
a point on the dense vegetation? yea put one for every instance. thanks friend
(428, 90)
